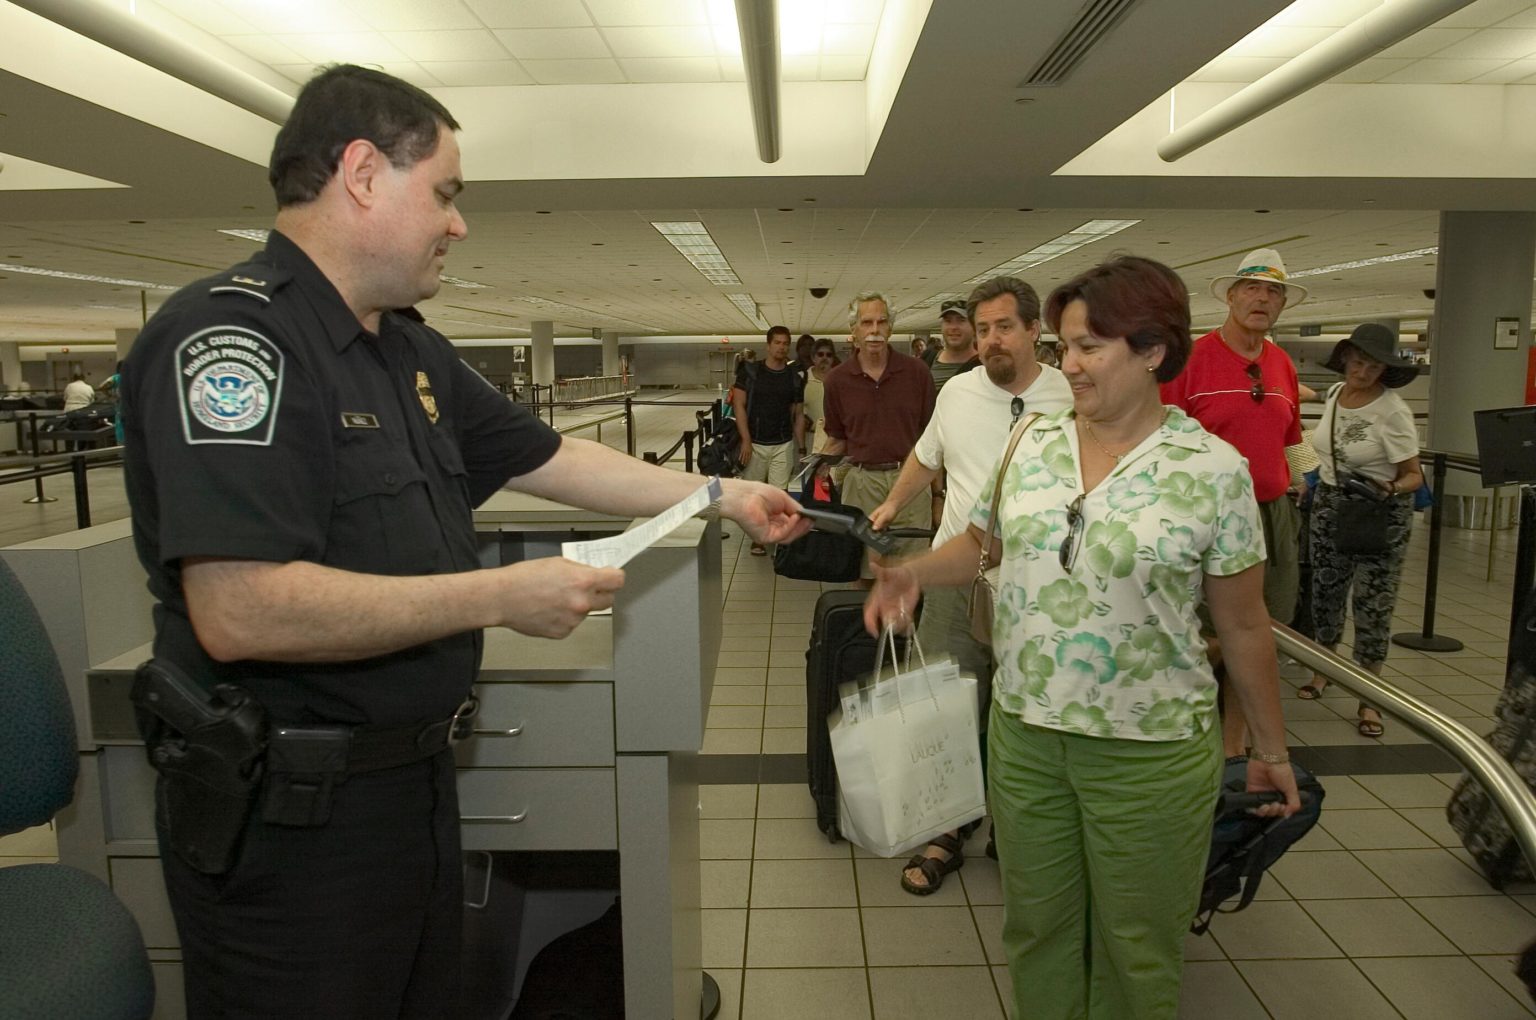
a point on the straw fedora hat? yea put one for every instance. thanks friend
(1261, 264)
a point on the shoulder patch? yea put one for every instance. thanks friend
(252, 280)
(229, 380)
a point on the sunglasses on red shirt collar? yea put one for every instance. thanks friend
(1257, 375)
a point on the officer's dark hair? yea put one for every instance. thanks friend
(1024, 296)
(338, 106)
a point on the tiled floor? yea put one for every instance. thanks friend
(1377, 913)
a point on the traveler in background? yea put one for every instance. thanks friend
(968, 432)
(1366, 431)
(957, 352)
(823, 361)
(303, 465)
(78, 393)
(1242, 387)
(1118, 518)
(877, 404)
(767, 397)
(803, 352)
(920, 348)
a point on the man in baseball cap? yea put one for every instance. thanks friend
(1242, 387)
(957, 352)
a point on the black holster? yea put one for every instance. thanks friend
(208, 748)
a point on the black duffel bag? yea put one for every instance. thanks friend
(821, 555)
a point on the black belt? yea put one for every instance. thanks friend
(885, 466)
(372, 748)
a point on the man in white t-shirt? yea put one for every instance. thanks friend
(965, 439)
(78, 393)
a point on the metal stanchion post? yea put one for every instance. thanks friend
(82, 491)
(688, 451)
(40, 497)
(1428, 640)
(629, 425)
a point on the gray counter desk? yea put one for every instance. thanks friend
(590, 743)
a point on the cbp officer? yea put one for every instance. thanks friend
(302, 465)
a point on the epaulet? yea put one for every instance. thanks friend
(251, 279)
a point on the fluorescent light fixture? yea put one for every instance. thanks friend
(1087, 233)
(84, 277)
(455, 281)
(692, 241)
(258, 235)
(931, 304)
(1401, 256)
(748, 308)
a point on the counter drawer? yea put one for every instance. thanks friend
(541, 724)
(538, 809)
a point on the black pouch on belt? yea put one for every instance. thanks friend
(304, 766)
(207, 747)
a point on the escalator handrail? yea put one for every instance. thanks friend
(1476, 755)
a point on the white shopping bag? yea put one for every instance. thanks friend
(908, 760)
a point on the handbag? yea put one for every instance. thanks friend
(1360, 524)
(983, 594)
(908, 756)
(820, 555)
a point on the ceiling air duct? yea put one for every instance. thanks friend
(1093, 24)
(758, 23)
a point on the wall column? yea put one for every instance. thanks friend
(610, 352)
(543, 354)
(10, 365)
(125, 339)
(1483, 273)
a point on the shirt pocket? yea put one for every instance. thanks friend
(382, 520)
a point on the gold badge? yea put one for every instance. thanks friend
(428, 401)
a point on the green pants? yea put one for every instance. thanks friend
(1103, 846)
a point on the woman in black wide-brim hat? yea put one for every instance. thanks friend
(1369, 449)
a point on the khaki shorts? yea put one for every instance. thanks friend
(770, 464)
(867, 489)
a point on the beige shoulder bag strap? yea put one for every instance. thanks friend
(982, 595)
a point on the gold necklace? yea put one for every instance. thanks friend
(1116, 457)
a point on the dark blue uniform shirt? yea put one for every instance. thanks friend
(265, 423)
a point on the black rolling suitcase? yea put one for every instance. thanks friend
(1471, 812)
(841, 649)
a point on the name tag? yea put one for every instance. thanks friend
(358, 420)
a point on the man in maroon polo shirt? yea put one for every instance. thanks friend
(877, 404)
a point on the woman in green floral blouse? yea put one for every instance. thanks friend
(1118, 518)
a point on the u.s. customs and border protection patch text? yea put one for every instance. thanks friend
(230, 381)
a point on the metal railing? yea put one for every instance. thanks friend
(75, 464)
(568, 393)
(1476, 755)
(685, 442)
(1427, 640)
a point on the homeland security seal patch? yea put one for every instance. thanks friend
(230, 380)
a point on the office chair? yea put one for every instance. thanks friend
(68, 947)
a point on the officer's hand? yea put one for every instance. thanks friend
(548, 597)
(767, 513)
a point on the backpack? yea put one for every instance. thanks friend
(719, 447)
(1244, 847)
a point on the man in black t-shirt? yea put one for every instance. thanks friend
(767, 397)
(304, 455)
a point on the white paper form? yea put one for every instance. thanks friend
(617, 550)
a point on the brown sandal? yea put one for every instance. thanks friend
(1310, 691)
(933, 868)
(1370, 727)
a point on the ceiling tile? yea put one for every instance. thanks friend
(671, 69)
(416, 15)
(673, 41)
(297, 73)
(575, 72)
(412, 72)
(553, 43)
(467, 73)
(346, 47)
(451, 45)
(212, 18)
(1525, 19)
(844, 66)
(1494, 43)
(1514, 71)
(1484, 13)
(864, 12)
(1426, 42)
(648, 12)
(1442, 72)
(1332, 13)
(800, 67)
(283, 18)
(844, 39)
(530, 13)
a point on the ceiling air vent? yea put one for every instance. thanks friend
(1093, 23)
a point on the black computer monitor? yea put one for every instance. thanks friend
(1506, 445)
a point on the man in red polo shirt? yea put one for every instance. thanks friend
(877, 403)
(1242, 387)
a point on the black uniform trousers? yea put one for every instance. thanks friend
(359, 918)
